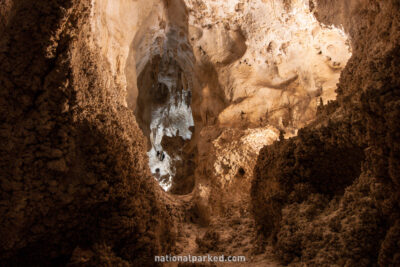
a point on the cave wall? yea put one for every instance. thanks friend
(75, 183)
(164, 61)
(333, 190)
(75, 186)
(5, 9)
(126, 33)
(269, 58)
(245, 69)
(164, 114)
(262, 67)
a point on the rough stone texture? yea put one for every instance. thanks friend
(75, 188)
(257, 64)
(303, 207)
(183, 181)
(311, 162)
(244, 69)
(74, 174)
(256, 69)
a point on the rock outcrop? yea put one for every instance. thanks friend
(332, 191)
(74, 173)
(262, 67)
(277, 117)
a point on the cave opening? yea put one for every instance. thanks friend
(165, 116)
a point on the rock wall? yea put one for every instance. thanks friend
(262, 67)
(145, 44)
(75, 185)
(126, 33)
(272, 61)
(247, 64)
(330, 195)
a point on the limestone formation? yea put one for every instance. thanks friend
(136, 128)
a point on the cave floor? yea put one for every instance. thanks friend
(228, 235)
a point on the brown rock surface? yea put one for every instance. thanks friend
(74, 174)
(326, 208)
(87, 87)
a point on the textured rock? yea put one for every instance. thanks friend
(312, 220)
(243, 69)
(74, 171)
(268, 68)
(81, 81)
(258, 65)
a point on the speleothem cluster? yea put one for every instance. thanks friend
(277, 122)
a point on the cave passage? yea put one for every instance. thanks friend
(164, 111)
